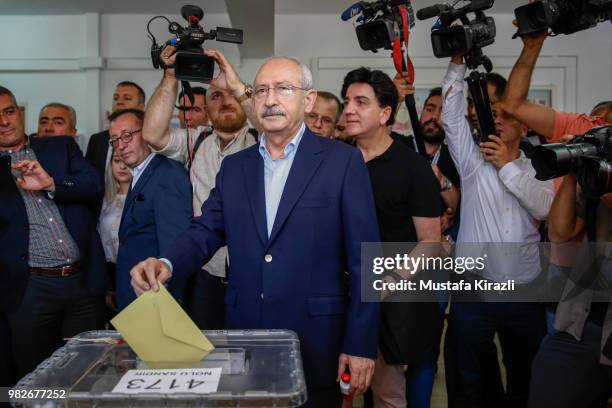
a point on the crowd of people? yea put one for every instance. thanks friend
(254, 211)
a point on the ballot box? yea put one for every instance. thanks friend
(248, 368)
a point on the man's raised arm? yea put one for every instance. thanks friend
(537, 117)
(161, 105)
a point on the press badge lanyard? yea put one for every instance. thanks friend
(436, 157)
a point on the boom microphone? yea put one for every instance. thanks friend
(433, 11)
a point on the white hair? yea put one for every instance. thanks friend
(307, 82)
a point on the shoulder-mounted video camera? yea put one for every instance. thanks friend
(467, 39)
(589, 157)
(191, 62)
(379, 22)
(561, 16)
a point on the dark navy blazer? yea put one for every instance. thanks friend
(77, 185)
(296, 278)
(156, 211)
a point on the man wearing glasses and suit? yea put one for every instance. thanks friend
(293, 211)
(158, 205)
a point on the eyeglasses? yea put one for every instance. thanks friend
(313, 117)
(125, 137)
(283, 91)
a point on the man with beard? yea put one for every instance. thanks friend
(436, 152)
(439, 157)
(204, 299)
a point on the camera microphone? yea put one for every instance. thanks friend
(352, 11)
(432, 11)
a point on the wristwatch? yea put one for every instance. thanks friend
(446, 185)
(246, 93)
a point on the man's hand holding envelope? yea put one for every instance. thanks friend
(147, 274)
(159, 331)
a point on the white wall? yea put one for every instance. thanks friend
(79, 59)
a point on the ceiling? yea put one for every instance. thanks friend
(50, 7)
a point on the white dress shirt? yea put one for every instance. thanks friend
(205, 165)
(138, 170)
(497, 206)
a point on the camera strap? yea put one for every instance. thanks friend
(405, 65)
(398, 54)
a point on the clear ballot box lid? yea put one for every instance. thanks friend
(259, 368)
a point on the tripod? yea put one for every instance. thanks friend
(477, 84)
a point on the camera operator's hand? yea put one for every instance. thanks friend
(228, 78)
(534, 40)
(168, 57)
(403, 87)
(496, 152)
(457, 59)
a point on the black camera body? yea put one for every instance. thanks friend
(589, 157)
(191, 62)
(460, 40)
(379, 22)
(467, 39)
(562, 16)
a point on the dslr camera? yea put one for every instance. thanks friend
(191, 62)
(377, 22)
(467, 39)
(589, 157)
(562, 16)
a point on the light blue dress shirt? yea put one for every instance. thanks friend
(275, 177)
(276, 173)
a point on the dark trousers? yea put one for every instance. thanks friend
(324, 397)
(7, 369)
(494, 388)
(204, 300)
(53, 308)
(567, 373)
(520, 328)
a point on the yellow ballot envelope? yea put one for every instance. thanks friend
(159, 330)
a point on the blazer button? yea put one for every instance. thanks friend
(24, 257)
(26, 226)
(261, 295)
(268, 258)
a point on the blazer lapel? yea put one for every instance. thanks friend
(254, 179)
(48, 162)
(140, 184)
(306, 161)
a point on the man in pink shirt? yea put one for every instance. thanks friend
(542, 119)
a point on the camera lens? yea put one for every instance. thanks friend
(595, 176)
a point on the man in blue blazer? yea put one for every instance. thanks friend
(52, 273)
(158, 206)
(293, 211)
